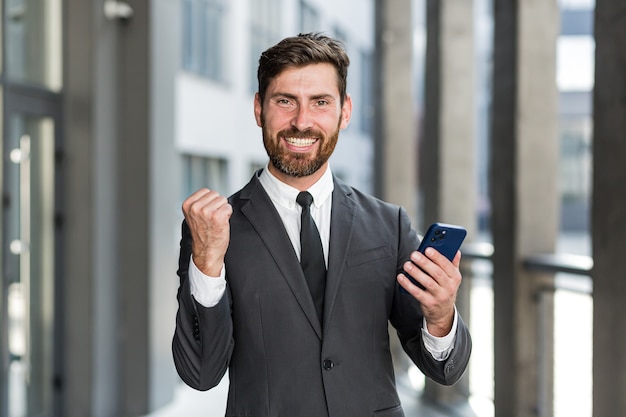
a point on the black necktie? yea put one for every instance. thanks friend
(311, 253)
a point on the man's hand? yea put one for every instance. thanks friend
(441, 280)
(207, 214)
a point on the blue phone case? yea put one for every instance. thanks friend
(445, 238)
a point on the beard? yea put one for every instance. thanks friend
(296, 164)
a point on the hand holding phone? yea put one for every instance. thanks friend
(445, 238)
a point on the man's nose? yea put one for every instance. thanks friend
(302, 119)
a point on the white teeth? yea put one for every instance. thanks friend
(302, 142)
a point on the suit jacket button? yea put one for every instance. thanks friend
(328, 364)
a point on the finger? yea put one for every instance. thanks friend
(418, 275)
(457, 259)
(225, 210)
(199, 194)
(428, 263)
(442, 272)
(205, 204)
(449, 268)
(450, 277)
(441, 260)
(194, 198)
(410, 287)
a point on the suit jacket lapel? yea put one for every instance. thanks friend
(342, 225)
(262, 214)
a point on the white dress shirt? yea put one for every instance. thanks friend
(209, 290)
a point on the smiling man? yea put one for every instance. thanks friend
(290, 283)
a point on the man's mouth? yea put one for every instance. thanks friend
(300, 142)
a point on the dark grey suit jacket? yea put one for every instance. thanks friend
(282, 362)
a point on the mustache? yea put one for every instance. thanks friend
(296, 133)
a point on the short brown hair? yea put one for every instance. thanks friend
(298, 51)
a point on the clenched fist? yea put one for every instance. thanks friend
(208, 214)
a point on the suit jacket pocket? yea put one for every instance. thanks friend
(368, 255)
(390, 412)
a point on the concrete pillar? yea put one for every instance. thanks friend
(446, 153)
(89, 343)
(133, 197)
(609, 210)
(395, 119)
(395, 135)
(118, 208)
(524, 197)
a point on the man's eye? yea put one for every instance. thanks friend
(322, 102)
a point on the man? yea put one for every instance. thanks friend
(294, 347)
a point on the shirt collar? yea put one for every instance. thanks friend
(285, 195)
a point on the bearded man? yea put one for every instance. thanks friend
(290, 283)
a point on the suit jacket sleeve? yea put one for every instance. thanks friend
(407, 319)
(203, 338)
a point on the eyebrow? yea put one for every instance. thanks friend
(324, 96)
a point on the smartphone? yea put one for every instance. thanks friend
(445, 238)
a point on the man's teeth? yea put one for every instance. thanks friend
(302, 142)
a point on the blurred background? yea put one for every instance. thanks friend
(505, 116)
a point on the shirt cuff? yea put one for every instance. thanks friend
(206, 290)
(440, 347)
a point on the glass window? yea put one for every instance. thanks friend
(264, 24)
(203, 172)
(29, 267)
(203, 38)
(33, 42)
(575, 79)
(188, 38)
(213, 39)
(576, 159)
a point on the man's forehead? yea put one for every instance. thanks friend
(320, 77)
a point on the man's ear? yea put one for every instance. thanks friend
(258, 108)
(346, 112)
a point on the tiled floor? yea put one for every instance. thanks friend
(190, 403)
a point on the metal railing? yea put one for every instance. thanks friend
(578, 269)
(580, 265)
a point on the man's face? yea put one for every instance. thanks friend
(301, 117)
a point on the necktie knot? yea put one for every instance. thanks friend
(305, 199)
